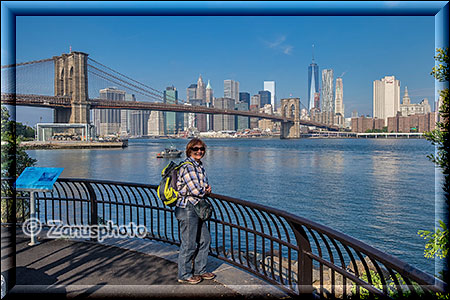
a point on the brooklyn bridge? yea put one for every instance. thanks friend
(68, 84)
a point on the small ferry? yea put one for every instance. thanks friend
(170, 152)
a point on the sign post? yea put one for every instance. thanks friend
(35, 179)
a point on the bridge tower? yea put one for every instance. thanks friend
(290, 108)
(71, 80)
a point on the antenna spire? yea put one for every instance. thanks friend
(312, 52)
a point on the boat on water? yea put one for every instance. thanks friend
(170, 152)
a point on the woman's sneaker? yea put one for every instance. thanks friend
(208, 276)
(193, 280)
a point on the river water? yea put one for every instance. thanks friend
(380, 191)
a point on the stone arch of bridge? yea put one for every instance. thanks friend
(290, 108)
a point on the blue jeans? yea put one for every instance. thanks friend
(195, 242)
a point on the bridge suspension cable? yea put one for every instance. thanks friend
(27, 63)
(148, 89)
(125, 84)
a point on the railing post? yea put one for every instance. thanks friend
(93, 202)
(305, 267)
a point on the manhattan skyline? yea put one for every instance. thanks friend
(162, 51)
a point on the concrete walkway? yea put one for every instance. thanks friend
(122, 268)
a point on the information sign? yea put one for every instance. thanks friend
(38, 179)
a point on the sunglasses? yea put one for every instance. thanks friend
(195, 149)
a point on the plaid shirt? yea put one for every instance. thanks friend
(191, 183)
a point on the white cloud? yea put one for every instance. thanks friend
(279, 45)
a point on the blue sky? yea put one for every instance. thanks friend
(160, 51)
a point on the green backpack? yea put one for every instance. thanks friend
(167, 188)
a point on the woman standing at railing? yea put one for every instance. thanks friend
(193, 185)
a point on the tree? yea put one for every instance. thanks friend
(14, 161)
(437, 241)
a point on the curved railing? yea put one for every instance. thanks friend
(296, 254)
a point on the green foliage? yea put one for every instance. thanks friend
(14, 160)
(441, 71)
(25, 132)
(437, 241)
(390, 285)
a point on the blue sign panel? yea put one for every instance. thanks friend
(34, 178)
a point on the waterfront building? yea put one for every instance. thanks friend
(108, 121)
(231, 89)
(313, 83)
(241, 121)
(316, 101)
(170, 117)
(224, 122)
(199, 119)
(327, 91)
(325, 117)
(255, 104)
(139, 123)
(386, 97)
(191, 93)
(407, 108)
(266, 125)
(125, 117)
(245, 97)
(264, 98)
(209, 102)
(156, 123)
(267, 109)
(270, 86)
(362, 124)
(412, 123)
(354, 114)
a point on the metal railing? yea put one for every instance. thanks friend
(296, 254)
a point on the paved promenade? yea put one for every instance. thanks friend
(121, 268)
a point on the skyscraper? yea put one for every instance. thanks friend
(264, 98)
(200, 100)
(209, 103)
(327, 91)
(107, 121)
(209, 94)
(270, 86)
(201, 90)
(313, 82)
(224, 122)
(386, 98)
(245, 97)
(191, 93)
(170, 97)
(231, 89)
(338, 102)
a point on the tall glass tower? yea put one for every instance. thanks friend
(313, 82)
(170, 97)
(327, 91)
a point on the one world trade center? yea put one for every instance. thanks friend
(313, 82)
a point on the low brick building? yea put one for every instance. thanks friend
(362, 124)
(413, 123)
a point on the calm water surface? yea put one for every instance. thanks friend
(380, 191)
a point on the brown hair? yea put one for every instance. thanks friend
(192, 143)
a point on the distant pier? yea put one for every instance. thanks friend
(38, 145)
(355, 135)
